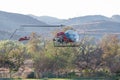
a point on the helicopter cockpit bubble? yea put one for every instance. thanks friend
(72, 35)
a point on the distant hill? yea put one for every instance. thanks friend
(71, 21)
(116, 18)
(76, 20)
(91, 23)
(5, 35)
(11, 21)
(48, 19)
(86, 19)
(100, 26)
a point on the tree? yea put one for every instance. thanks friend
(34, 45)
(11, 54)
(110, 45)
(88, 59)
(36, 50)
(54, 61)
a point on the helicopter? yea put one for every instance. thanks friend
(68, 38)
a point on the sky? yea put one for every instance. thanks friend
(62, 9)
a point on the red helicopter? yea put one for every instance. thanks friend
(61, 39)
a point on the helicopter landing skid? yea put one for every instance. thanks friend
(66, 44)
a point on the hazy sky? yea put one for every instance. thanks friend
(62, 8)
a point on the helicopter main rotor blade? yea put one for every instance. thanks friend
(42, 25)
